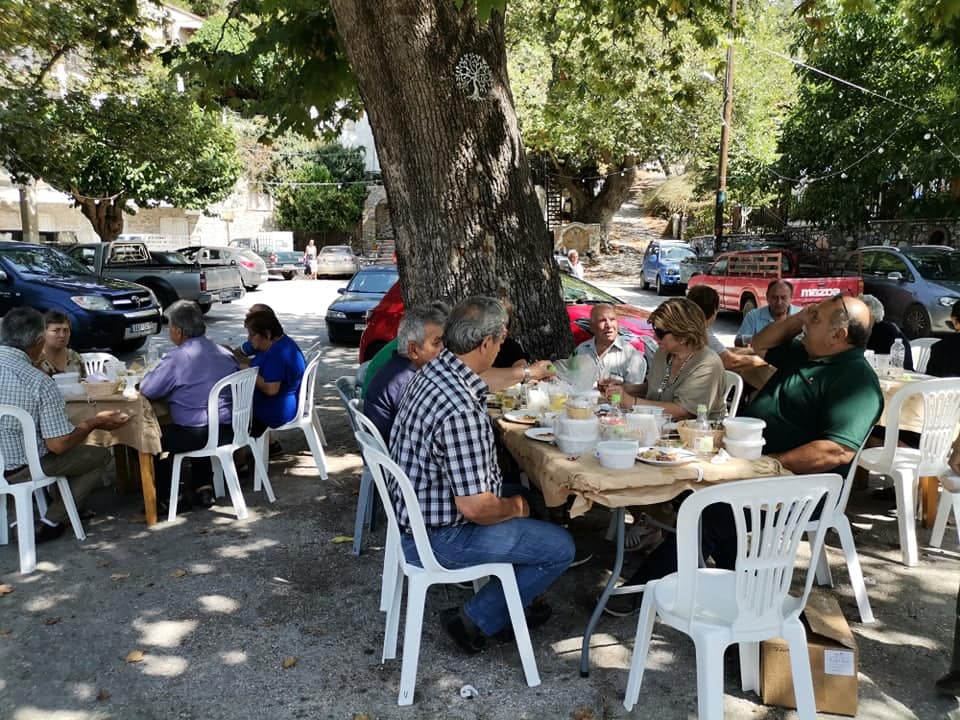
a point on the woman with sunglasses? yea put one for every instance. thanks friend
(685, 372)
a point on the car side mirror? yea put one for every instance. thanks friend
(895, 276)
(341, 291)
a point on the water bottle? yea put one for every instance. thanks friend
(703, 437)
(897, 353)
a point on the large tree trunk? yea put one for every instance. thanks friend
(105, 214)
(599, 207)
(461, 196)
(29, 217)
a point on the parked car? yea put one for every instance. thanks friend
(347, 315)
(661, 264)
(741, 279)
(578, 295)
(253, 270)
(917, 285)
(169, 282)
(104, 312)
(337, 260)
(283, 263)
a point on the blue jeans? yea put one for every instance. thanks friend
(539, 552)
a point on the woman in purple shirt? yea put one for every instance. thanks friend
(184, 378)
(281, 365)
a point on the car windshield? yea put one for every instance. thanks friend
(937, 265)
(336, 250)
(579, 292)
(42, 261)
(677, 254)
(378, 281)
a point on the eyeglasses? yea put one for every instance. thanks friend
(846, 315)
(660, 333)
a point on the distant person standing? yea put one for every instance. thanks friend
(779, 305)
(310, 259)
(576, 267)
(945, 355)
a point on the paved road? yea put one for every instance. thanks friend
(301, 305)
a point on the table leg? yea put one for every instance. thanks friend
(929, 499)
(620, 515)
(149, 488)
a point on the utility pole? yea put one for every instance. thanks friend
(724, 137)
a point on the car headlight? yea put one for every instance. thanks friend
(948, 301)
(92, 302)
(672, 271)
(336, 315)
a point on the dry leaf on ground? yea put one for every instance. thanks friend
(137, 519)
(103, 563)
(339, 539)
(5, 589)
(360, 716)
(51, 620)
(134, 656)
(6, 631)
(582, 714)
(119, 576)
(289, 662)
(103, 695)
(178, 573)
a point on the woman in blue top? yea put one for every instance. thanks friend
(281, 365)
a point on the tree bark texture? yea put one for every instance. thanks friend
(105, 214)
(461, 196)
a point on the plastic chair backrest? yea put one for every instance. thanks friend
(10, 415)
(779, 509)
(844, 495)
(732, 391)
(96, 362)
(241, 385)
(308, 387)
(313, 349)
(362, 422)
(387, 475)
(941, 413)
(920, 351)
(346, 388)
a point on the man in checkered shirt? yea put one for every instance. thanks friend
(442, 438)
(59, 443)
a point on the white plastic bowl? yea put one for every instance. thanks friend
(67, 378)
(744, 449)
(744, 428)
(617, 454)
(570, 445)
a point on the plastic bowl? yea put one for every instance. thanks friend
(67, 378)
(573, 445)
(744, 428)
(744, 449)
(617, 454)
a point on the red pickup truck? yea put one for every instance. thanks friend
(741, 279)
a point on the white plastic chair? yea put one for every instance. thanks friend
(732, 391)
(836, 518)
(949, 500)
(304, 420)
(920, 351)
(241, 385)
(941, 412)
(419, 579)
(23, 492)
(717, 608)
(95, 363)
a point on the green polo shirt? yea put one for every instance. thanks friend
(376, 363)
(834, 398)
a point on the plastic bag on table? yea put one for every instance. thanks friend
(578, 371)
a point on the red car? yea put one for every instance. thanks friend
(578, 295)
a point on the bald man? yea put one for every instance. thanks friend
(612, 354)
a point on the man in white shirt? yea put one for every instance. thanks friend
(576, 267)
(612, 354)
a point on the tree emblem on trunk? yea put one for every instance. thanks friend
(473, 75)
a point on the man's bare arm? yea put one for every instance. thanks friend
(488, 509)
(816, 456)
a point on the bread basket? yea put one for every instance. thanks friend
(100, 390)
(687, 429)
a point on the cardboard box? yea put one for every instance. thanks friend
(834, 660)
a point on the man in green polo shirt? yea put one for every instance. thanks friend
(819, 408)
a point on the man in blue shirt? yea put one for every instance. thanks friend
(779, 296)
(419, 340)
(184, 378)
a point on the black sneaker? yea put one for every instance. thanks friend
(46, 532)
(623, 605)
(470, 642)
(536, 614)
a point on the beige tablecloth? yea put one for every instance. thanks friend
(558, 476)
(911, 412)
(141, 432)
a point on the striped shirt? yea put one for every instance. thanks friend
(443, 440)
(26, 387)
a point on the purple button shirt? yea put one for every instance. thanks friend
(184, 378)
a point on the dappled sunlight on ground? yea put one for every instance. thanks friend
(218, 604)
(164, 633)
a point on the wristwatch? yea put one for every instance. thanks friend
(526, 373)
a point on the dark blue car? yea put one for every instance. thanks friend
(347, 316)
(103, 312)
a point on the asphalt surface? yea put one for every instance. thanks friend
(210, 617)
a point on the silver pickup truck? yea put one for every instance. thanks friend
(132, 261)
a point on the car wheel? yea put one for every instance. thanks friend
(643, 282)
(748, 304)
(205, 307)
(916, 322)
(250, 288)
(288, 276)
(660, 289)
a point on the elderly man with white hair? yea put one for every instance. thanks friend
(576, 267)
(885, 332)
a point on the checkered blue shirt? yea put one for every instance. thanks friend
(443, 440)
(22, 385)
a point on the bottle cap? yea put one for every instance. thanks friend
(615, 398)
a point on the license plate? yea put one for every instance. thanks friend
(229, 295)
(140, 329)
(360, 327)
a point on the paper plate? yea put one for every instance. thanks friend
(677, 456)
(542, 434)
